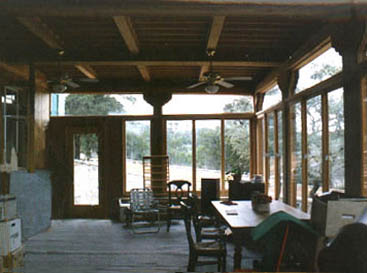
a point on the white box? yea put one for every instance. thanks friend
(341, 213)
(8, 207)
(10, 236)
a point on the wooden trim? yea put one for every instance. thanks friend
(215, 31)
(364, 132)
(194, 155)
(266, 143)
(253, 145)
(277, 156)
(2, 132)
(204, 68)
(127, 32)
(325, 142)
(304, 155)
(210, 116)
(292, 187)
(222, 150)
(260, 146)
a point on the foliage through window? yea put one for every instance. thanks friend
(272, 97)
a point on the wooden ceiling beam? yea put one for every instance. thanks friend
(215, 31)
(42, 31)
(87, 70)
(330, 9)
(127, 32)
(22, 71)
(167, 63)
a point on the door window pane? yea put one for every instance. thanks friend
(280, 153)
(179, 148)
(86, 175)
(208, 150)
(314, 143)
(336, 140)
(271, 156)
(137, 146)
(237, 147)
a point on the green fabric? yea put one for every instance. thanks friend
(273, 220)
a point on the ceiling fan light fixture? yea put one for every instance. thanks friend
(59, 88)
(212, 88)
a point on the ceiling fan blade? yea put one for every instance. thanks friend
(246, 78)
(225, 84)
(88, 80)
(72, 84)
(195, 85)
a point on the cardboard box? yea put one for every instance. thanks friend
(14, 259)
(10, 236)
(8, 207)
(328, 217)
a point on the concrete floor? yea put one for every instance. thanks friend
(82, 245)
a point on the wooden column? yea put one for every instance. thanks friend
(157, 131)
(256, 166)
(349, 39)
(287, 82)
(304, 156)
(30, 120)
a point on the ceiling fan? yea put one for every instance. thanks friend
(64, 81)
(213, 80)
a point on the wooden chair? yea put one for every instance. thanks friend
(178, 190)
(214, 249)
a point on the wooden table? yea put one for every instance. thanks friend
(242, 217)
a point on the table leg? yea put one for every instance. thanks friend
(237, 250)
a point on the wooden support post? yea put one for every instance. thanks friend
(157, 134)
(364, 130)
(260, 146)
(350, 40)
(223, 153)
(30, 118)
(253, 144)
(194, 154)
(267, 163)
(287, 82)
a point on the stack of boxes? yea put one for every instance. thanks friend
(11, 248)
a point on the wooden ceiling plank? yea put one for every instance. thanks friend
(42, 31)
(144, 71)
(127, 32)
(87, 70)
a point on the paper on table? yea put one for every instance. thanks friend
(231, 212)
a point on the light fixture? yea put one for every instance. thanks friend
(59, 88)
(212, 88)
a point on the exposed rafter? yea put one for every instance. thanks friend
(42, 31)
(23, 72)
(87, 70)
(128, 33)
(215, 32)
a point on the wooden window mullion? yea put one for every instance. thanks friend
(277, 157)
(325, 142)
(304, 155)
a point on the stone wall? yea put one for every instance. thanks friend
(33, 194)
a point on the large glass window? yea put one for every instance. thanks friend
(326, 65)
(14, 102)
(280, 153)
(296, 156)
(179, 149)
(314, 146)
(137, 146)
(272, 97)
(99, 105)
(193, 104)
(336, 140)
(208, 150)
